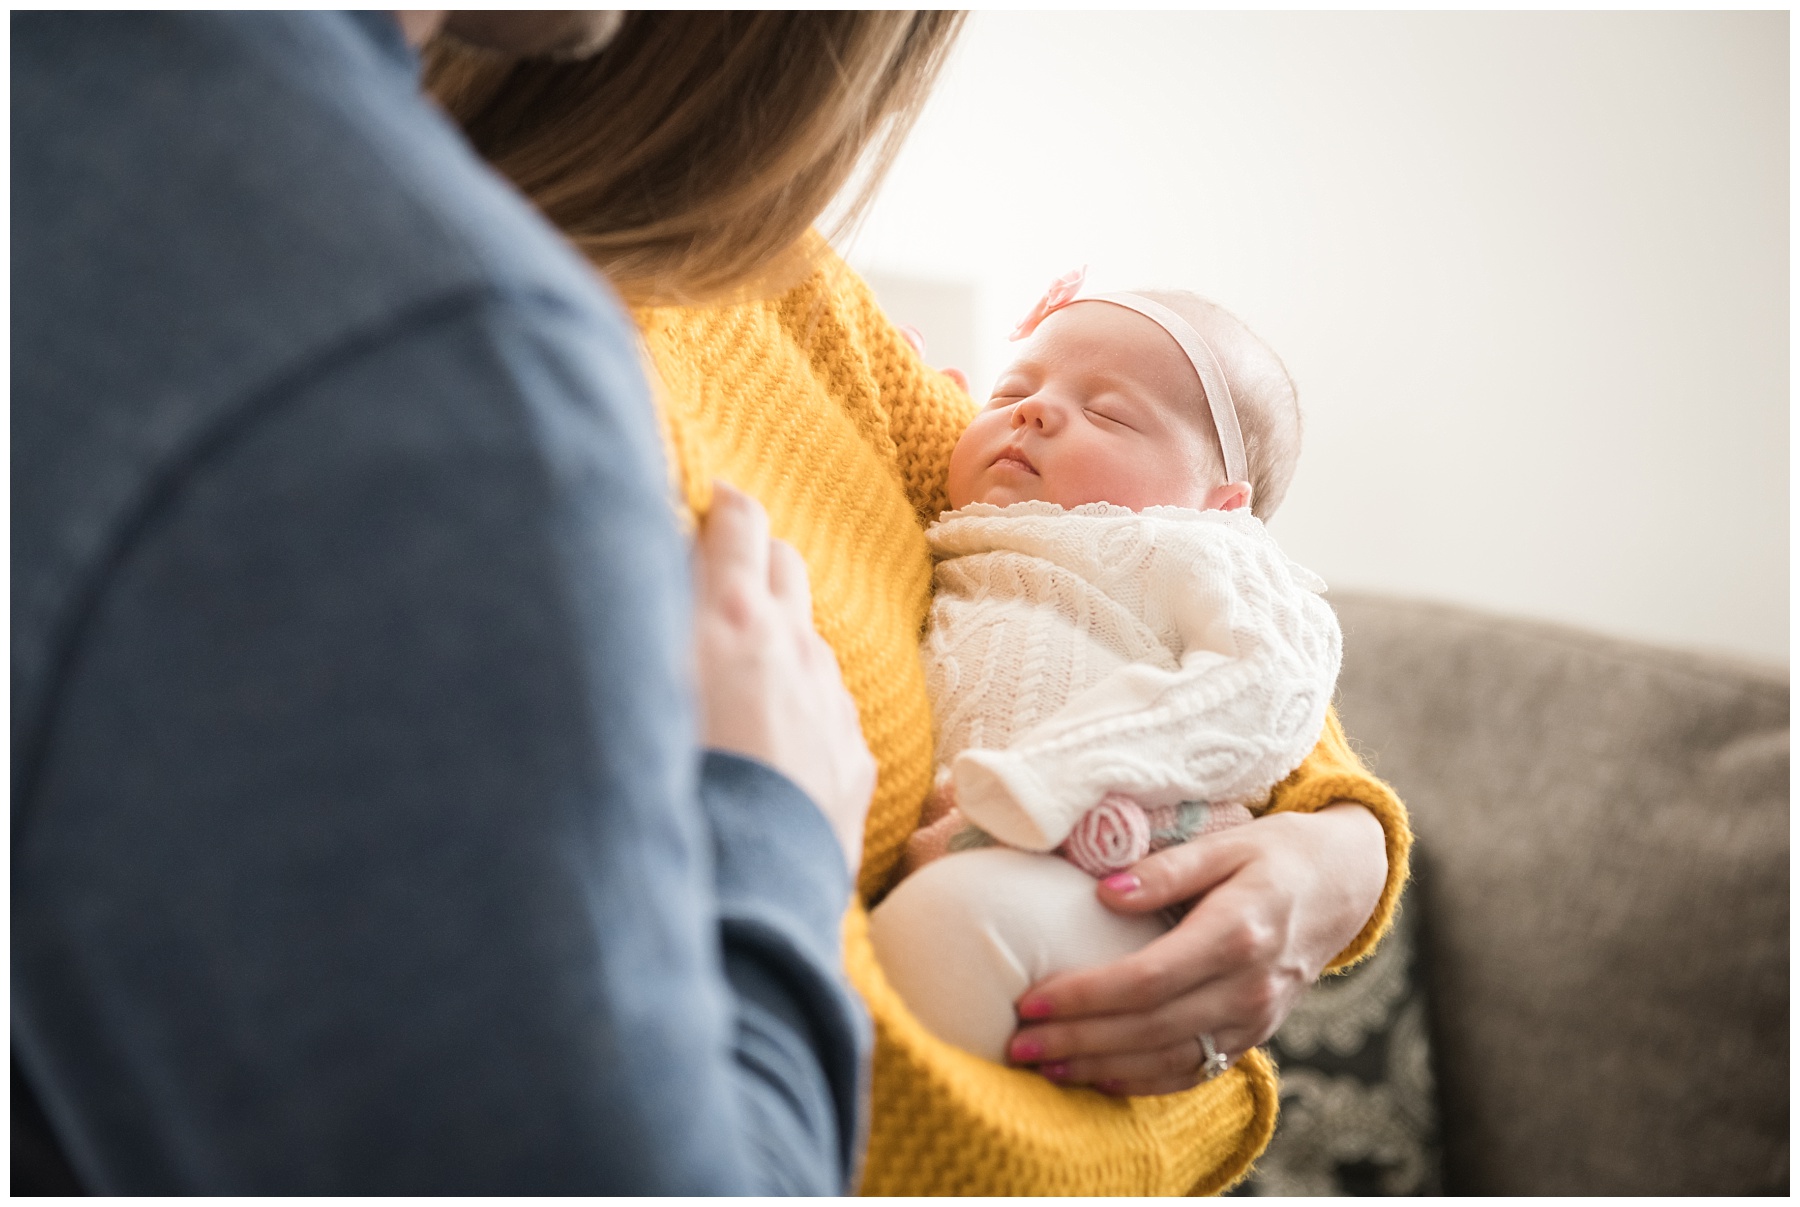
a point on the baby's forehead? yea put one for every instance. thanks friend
(1101, 342)
(1095, 319)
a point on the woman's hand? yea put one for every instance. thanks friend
(1278, 898)
(770, 688)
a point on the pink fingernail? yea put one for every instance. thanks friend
(1055, 1072)
(1027, 1049)
(1123, 882)
(1036, 1007)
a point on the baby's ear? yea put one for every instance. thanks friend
(1229, 497)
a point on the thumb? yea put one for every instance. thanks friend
(1172, 875)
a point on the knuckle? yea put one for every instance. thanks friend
(1150, 981)
(1162, 871)
(1135, 982)
(739, 605)
(1265, 939)
(1060, 1041)
(1234, 947)
(790, 557)
(1245, 941)
(1078, 1039)
(1078, 999)
(1172, 1025)
(1259, 998)
(817, 651)
(1177, 1060)
(1084, 1069)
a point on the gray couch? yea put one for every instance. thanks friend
(1603, 897)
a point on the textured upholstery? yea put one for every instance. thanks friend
(1603, 844)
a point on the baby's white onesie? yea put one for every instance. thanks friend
(1167, 654)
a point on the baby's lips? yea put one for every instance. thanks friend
(1016, 455)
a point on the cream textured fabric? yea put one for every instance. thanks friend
(1167, 654)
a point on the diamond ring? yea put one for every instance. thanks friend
(1212, 1061)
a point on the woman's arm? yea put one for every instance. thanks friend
(1309, 886)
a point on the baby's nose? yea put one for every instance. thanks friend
(1034, 412)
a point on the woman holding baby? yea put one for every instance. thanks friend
(689, 161)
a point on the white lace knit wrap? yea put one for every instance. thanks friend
(1168, 654)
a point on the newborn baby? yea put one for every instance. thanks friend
(1119, 656)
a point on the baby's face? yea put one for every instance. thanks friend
(1100, 407)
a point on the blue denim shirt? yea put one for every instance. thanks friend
(361, 840)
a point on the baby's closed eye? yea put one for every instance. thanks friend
(1109, 416)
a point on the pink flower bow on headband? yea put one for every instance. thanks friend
(1062, 291)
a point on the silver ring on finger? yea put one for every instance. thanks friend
(1212, 1061)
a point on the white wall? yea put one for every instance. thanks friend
(1529, 269)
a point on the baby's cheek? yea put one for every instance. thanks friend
(964, 468)
(1123, 477)
(1087, 475)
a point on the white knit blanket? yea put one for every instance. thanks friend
(1168, 654)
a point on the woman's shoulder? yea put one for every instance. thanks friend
(827, 338)
(818, 322)
(824, 287)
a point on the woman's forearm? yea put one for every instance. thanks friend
(1350, 848)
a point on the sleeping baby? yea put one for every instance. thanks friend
(1119, 656)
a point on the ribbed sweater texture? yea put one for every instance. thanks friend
(812, 402)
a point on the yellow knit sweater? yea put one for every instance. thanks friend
(813, 403)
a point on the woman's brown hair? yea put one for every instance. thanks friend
(689, 158)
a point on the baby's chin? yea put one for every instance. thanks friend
(997, 496)
(1007, 495)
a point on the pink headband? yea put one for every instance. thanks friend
(1066, 290)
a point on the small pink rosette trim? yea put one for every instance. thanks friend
(1109, 838)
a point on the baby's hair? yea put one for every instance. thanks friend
(1268, 405)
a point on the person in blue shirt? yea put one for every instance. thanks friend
(368, 833)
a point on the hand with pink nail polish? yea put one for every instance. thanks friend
(1266, 921)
